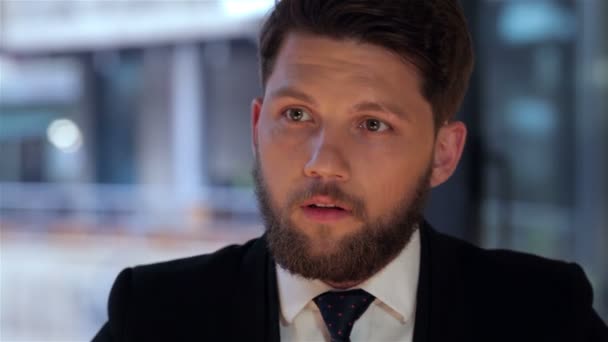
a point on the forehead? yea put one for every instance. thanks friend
(338, 65)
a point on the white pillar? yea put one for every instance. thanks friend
(189, 171)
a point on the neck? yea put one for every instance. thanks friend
(343, 285)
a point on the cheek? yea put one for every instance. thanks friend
(389, 174)
(283, 146)
(276, 135)
(384, 193)
(282, 157)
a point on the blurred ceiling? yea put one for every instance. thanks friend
(33, 26)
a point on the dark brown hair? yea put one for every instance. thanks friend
(430, 34)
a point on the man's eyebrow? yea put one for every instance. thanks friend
(386, 107)
(293, 92)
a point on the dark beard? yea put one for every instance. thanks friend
(357, 256)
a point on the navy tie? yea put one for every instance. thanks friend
(340, 310)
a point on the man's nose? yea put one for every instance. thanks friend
(327, 158)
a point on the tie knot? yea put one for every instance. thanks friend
(340, 310)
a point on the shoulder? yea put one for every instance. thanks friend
(219, 265)
(505, 267)
(211, 272)
(175, 293)
(538, 295)
(532, 279)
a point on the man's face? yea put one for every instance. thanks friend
(344, 146)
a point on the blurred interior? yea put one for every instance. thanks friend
(125, 139)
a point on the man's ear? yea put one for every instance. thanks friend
(256, 111)
(448, 150)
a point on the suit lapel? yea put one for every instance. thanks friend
(441, 311)
(256, 300)
(423, 294)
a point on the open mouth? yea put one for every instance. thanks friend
(325, 207)
(324, 212)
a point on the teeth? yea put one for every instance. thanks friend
(325, 205)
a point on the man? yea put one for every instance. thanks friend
(354, 127)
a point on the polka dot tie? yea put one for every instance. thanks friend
(340, 310)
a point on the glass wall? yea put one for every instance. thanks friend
(543, 81)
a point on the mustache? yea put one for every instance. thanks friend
(333, 190)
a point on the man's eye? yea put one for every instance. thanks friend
(297, 114)
(374, 125)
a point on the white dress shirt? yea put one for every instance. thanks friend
(390, 317)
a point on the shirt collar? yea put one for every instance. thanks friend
(394, 286)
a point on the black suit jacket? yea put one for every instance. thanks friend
(464, 294)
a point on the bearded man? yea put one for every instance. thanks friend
(354, 127)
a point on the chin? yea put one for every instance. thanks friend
(326, 231)
(324, 239)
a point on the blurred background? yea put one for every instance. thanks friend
(124, 139)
